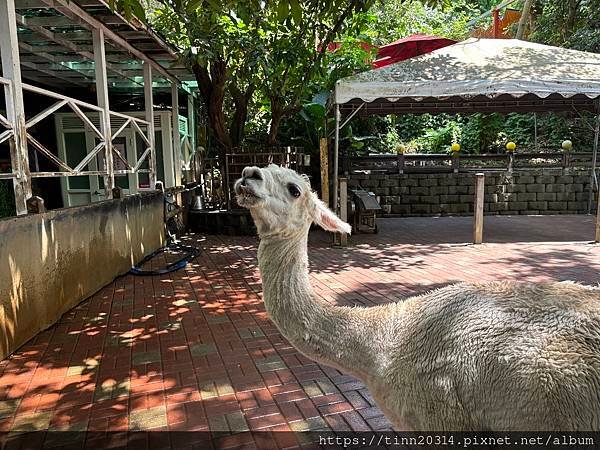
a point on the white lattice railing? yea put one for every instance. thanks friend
(136, 124)
(82, 109)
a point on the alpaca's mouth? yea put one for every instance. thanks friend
(246, 196)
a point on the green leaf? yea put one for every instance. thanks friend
(316, 110)
(244, 13)
(296, 11)
(305, 116)
(138, 10)
(283, 10)
(215, 5)
(192, 6)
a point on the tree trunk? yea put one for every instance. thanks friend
(212, 90)
(524, 19)
(240, 114)
(572, 7)
(277, 113)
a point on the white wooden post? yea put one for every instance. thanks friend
(598, 218)
(166, 137)
(191, 115)
(15, 108)
(175, 132)
(344, 208)
(148, 99)
(324, 170)
(191, 174)
(478, 210)
(593, 180)
(103, 102)
(336, 150)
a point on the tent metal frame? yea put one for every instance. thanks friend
(458, 105)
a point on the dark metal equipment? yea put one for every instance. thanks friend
(363, 211)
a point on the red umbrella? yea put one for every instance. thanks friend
(409, 47)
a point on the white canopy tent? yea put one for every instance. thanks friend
(476, 75)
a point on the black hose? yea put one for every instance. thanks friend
(191, 253)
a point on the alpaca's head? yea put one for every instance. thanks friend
(282, 203)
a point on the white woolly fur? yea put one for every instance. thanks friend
(497, 356)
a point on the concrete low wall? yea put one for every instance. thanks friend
(540, 191)
(52, 261)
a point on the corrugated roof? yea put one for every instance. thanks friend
(56, 45)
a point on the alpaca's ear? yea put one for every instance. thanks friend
(326, 219)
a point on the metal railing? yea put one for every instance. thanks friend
(79, 108)
(290, 157)
(457, 162)
(21, 173)
(210, 177)
(216, 180)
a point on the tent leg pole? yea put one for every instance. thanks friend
(598, 219)
(593, 181)
(535, 130)
(336, 148)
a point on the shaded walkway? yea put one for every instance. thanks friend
(195, 350)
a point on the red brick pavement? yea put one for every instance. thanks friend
(195, 350)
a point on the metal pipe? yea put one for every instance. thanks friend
(593, 180)
(535, 132)
(336, 148)
(351, 115)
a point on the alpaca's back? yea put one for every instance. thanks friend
(501, 356)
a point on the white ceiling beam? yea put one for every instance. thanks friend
(55, 37)
(40, 4)
(136, 24)
(34, 38)
(50, 21)
(50, 58)
(77, 14)
(30, 4)
(33, 75)
(114, 19)
(52, 73)
(116, 58)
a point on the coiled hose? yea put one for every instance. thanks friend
(191, 253)
(173, 225)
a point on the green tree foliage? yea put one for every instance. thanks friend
(395, 19)
(247, 53)
(263, 71)
(567, 23)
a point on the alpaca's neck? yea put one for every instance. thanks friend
(343, 337)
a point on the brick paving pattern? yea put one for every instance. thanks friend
(194, 350)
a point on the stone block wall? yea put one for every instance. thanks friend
(538, 191)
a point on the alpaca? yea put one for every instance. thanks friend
(500, 356)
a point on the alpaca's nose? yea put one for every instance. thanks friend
(252, 173)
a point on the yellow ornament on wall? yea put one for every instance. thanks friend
(401, 149)
(567, 145)
(455, 147)
(511, 146)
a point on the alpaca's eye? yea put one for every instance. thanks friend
(294, 190)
